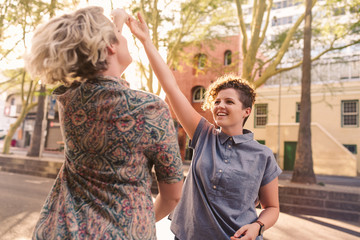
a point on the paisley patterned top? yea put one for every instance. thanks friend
(113, 137)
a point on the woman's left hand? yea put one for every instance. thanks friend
(247, 232)
(139, 28)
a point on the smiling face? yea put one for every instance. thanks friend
(228, 111)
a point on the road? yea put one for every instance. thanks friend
(21, 199)
(22, 196)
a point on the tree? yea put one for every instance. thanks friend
(35, 145)
(27, 93)
(266, 58)
(303, 169)
(24, 16)
(330, 36)
(190, 20)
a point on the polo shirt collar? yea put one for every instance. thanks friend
(245, 137)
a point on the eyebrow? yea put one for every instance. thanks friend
(226, 98)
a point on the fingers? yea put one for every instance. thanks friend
(240, 233)
(140, 17)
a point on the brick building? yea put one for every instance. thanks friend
(201, 64)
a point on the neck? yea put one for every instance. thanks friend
(232, 132)
(114, 70)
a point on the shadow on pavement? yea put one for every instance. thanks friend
(330, 225)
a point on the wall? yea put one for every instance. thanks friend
(328, 136)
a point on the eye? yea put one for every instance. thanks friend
(229, 102)
(217, 102)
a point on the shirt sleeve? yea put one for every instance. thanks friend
(163, 149)
(198, 130)
(272, 170)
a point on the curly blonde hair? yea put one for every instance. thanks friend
(245, 91)
(72, 46)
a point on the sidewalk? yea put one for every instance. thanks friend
(289, 226)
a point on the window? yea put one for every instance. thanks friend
(297, 114)
(260, 115)
(227, 58)
(354, 9)
(351, 147)
(350, 113)
(339, 11)
(200, 60)
(281, 21)
(198, 94)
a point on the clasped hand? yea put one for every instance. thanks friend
(137, 27)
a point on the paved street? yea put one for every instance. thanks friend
(22, 197)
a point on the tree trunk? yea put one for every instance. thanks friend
(34, 150)
(303, 169)
(14, 127)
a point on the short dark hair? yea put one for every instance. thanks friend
(244, 88)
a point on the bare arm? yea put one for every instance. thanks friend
(167, 199)
(269, 200)
(186, 114)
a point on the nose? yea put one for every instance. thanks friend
(221, 104)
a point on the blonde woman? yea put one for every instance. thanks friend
(229, 168)
(113, 135)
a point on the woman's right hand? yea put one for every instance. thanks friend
(139, 28)
(119, 17)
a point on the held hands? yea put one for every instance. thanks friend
(247, 232)
(137, 27)
(119, 17)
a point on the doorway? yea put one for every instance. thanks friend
(289, 155)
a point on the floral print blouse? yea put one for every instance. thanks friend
(113, 137)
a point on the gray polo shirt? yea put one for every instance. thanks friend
(222, 184)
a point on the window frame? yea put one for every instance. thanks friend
(349, 146)
(297, 112)
(257, 116)
(194, 92)
(227, 55)
(200, 60)
(343, 114)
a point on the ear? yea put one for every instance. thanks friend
(247, 112)
(111, 49)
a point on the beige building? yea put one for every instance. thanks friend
(334, 114)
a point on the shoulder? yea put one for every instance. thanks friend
(205, 131)
(263, 148)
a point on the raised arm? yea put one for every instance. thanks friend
(186, 114)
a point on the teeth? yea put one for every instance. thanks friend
(221, 114)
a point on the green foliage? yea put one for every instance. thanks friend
(335, 26)
(174, 25)
(19, 18)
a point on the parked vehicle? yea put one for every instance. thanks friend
(2, 134)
